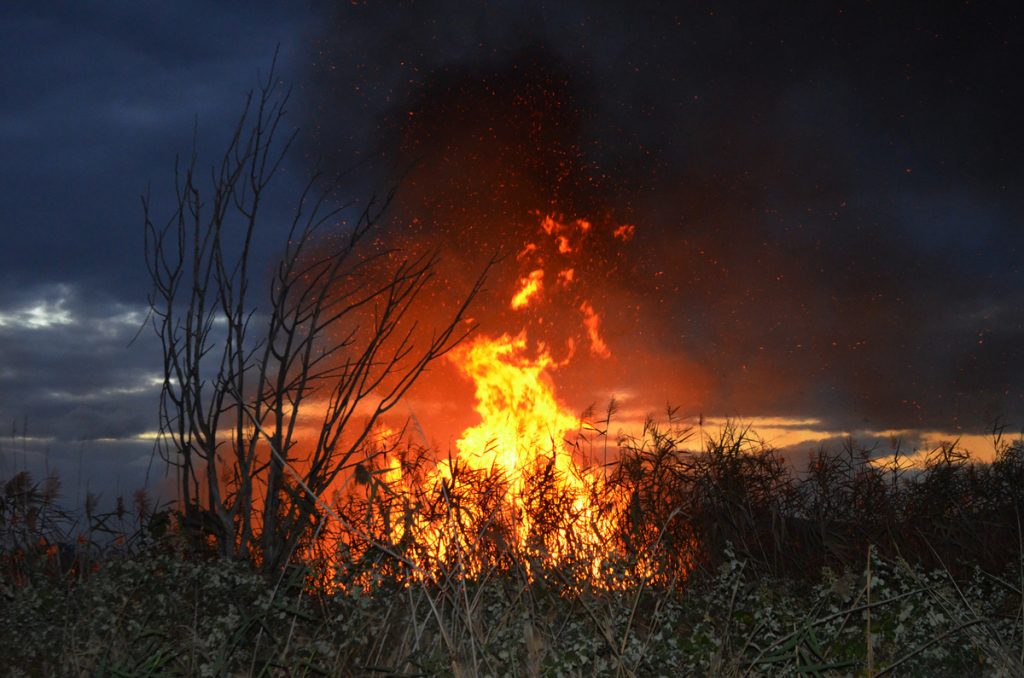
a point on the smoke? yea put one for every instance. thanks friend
(822, 200)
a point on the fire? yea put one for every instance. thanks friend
(625, 232)
(522, 424)
(515, 396)
(516, 481)
(529, 287)
(592, 321)
(523, 427)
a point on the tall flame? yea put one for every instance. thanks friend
(519, 413)
(522, 424)
(521, 461)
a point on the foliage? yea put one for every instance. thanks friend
(136, 597)
(669, 510)
(158, 612)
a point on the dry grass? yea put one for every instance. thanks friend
(849, 568)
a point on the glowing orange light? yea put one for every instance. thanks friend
(519, 413)
(529, 287)
(625, 232)
(526, 251)
(592, 321)
(523, 432)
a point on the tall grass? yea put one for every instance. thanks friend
(723, 563)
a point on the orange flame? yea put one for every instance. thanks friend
(529, 287)
(625, 232)
(592, 321)
(516, 403)
(522, 424)
(524, 433)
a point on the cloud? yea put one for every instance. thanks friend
(40, 315)
(99, 99)
(68, 367)
(75, 398)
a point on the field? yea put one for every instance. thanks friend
(847, 567)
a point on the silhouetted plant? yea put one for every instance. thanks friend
(240, 373)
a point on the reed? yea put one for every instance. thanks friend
(725, 563)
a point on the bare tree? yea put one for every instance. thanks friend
(336, 343)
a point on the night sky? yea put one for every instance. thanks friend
(827, 198)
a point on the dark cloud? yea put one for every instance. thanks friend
(69, 367)
(98, 100)
(74, 396)
(827, 198)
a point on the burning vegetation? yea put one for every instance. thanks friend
(523, 484)
(299, 453)
(282, 436)
(289, 445)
